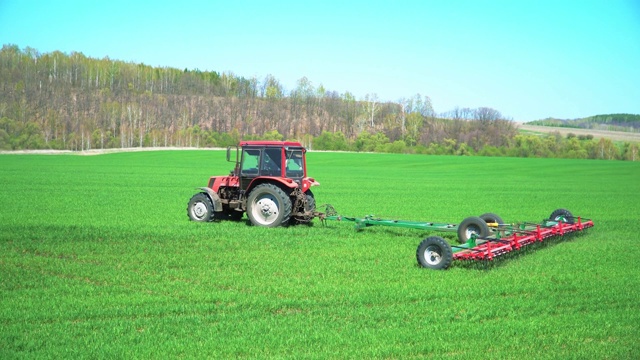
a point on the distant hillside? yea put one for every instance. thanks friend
(74, 102)
(611, 122)
(64, 101)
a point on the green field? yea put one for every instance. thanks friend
(98, 260)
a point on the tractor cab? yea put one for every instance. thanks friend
(271, 159)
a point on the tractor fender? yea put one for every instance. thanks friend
(308, 182)
(283, 183)
(215, 199)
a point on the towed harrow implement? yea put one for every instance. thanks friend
(481, 238)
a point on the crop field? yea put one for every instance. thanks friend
(99, 260)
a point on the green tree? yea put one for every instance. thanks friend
(606, 149)
(396, 147)
(272, 135)
(331, 141)
(449, 146)
(5, 140)
(631, 152)
(414, 123)
(368, 142)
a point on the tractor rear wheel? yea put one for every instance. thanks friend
(200, 208)
(269, 206)
(311, 205)
(472, 226)
(309, 208)
(311, 201)
(434, 253)
(562, 214)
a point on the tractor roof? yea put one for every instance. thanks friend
(270, 143)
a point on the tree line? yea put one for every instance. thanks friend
(612, 122)
(71, 101)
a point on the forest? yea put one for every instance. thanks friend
(73, 102)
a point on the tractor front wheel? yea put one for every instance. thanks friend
(269, 206)
(200, 208)
(434, 253)
(472, 226)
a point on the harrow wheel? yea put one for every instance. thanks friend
(434, 253)
(268, 206)
(562, 214)
(200, 208)
(472, 226)
(491, 218)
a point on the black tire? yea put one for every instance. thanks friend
(491, 218)
(310, 206)
(200, 208)
(311, 201)
(268, 206)
(562, 214)
(472, 225)
(434, 253)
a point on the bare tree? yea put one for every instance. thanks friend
(371, 106)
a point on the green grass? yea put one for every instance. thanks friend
(98, 260)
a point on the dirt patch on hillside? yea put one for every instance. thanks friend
(613, 135)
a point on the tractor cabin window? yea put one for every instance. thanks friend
(271, 162)
(250, 160)
(295, 167)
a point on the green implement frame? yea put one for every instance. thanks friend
(370, 220)
(468, 229)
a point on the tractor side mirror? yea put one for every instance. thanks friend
(236, 169)
(229, 154)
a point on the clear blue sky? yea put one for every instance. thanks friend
(528, 59)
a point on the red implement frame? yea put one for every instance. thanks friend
(516, 238)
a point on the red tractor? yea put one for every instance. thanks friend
(269, 182)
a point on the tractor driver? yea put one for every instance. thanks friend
(271, 162)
